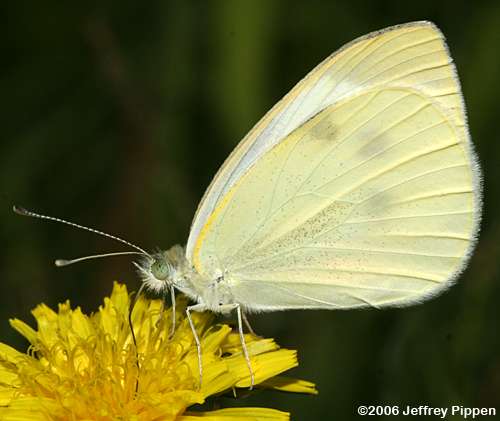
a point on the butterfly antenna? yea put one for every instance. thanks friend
(67, 262)
(24, 212)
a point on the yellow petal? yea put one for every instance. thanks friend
(88, 366)
(30, 409)
(240, 414)
(264, 365)
(27, 331)
(47, 324)
(9, 354)
(287, 384)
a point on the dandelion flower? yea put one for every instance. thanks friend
(83, 367)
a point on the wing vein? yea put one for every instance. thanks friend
(427, 278)
(406, 217)
(377, 47)
(386, 149)
(406, 47)
(321, 247)
(430, 196)
(438, 66)
(425, 174)
(404, 62)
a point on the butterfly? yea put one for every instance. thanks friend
(360, 188)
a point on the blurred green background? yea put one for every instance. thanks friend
(117, 115)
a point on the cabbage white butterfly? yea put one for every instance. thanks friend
(360, 188)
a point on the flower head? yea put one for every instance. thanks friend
(88, 367)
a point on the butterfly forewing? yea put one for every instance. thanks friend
(358, 189)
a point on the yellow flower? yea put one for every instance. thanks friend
(83, 367)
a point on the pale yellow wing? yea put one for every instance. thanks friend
(411, 55)
(372, 200)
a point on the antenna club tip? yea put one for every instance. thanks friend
(61, 262)
(20, 210)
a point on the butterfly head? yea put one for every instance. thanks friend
(156, 271)
(159, 270)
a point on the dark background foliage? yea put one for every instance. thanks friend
(118, 114)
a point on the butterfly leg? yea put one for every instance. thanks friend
(228, 308)
(199, 308)
(172, 299)
(244, 345)
(162, 310)
(247, 324)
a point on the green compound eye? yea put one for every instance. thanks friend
(161, 269)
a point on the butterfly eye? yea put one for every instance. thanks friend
(161, 269)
